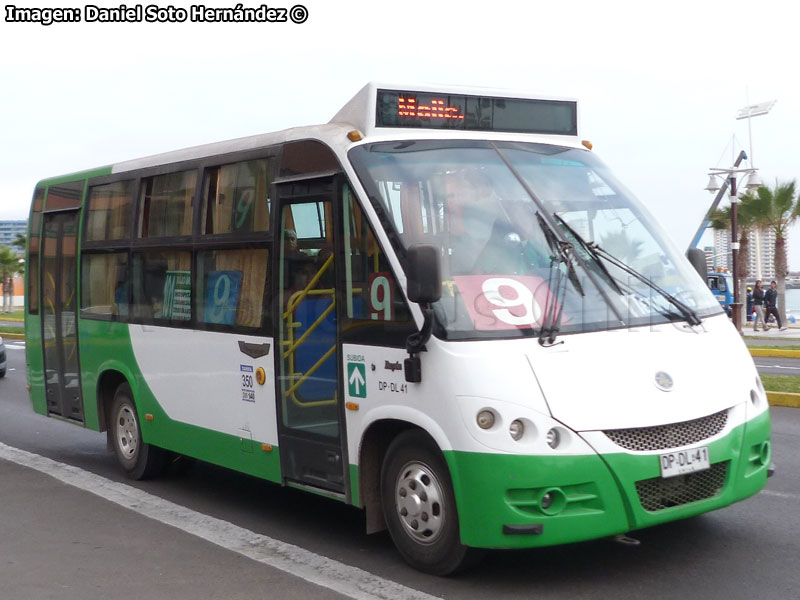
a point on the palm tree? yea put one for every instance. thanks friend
(10, 264)
(621, 246)
(776, 210)
(746, 221)
(9, 261)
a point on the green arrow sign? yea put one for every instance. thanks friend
(357, 380)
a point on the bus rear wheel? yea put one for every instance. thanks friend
(419, 506)
(138, 459)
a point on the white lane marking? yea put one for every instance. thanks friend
(339, 577)
(778, 367)
(10, 347)
(780, 494)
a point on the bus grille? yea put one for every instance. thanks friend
(659, 493)
(673, 435)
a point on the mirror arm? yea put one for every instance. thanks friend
(415, 343)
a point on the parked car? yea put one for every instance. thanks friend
(2, 358)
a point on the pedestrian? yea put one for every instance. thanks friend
(771, 303)
(758, 305)
(749, 303)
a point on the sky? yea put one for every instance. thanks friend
(658, 84)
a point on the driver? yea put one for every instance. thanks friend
(480, 210)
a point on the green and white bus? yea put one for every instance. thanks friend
(440, 307)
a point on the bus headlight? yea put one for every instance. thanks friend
(485, 419)
(553, 438)
(758, 394)
(516, 429)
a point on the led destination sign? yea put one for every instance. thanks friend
(426, 110)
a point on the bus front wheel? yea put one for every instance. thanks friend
(138, 459)
(419, 506)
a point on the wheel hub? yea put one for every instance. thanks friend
(127, 432)
(418, 499)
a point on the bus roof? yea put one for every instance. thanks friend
(381, 106)
(381, 110)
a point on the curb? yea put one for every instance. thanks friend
(774, 352)
(12, 336)
(784, 399)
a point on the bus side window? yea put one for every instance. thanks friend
(166, 204)
(230, 287)
(108, 212)
(236, 198)
(373, 298)
(104, 285)
(162, 286)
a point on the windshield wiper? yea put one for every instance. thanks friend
(590, 251)
(554, 301)
(688, 313)
(597, 252)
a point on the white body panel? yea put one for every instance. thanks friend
(196, 376)
(606, 380)
(588, 383)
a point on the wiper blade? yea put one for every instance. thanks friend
(562, 253)
(591, 251)
(687, 312)
(597, 252)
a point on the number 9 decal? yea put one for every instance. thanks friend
(524, 301)
(222, 292)
(242, 208)
(496, 303)
(380, 297)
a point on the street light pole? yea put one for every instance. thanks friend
(730, 179)
(736, 306)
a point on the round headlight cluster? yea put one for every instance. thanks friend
(519, 430)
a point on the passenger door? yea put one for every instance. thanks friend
(59, 315)
(310, 406)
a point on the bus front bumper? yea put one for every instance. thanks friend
(523, 501)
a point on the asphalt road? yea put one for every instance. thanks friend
(777, 366)
(60, 541)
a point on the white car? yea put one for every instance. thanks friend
(2, 358)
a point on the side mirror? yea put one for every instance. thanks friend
(424, 274)
(698, 259)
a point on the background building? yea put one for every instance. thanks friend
(761, 253)
(722, 248)
(9, 231)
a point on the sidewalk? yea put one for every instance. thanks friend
(59, 541)
(792, 331)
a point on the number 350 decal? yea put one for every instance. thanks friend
(506, 302)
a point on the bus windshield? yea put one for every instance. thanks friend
(504, 267)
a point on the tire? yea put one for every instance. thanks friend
(419, 506)
(138, 459)
(2, 373)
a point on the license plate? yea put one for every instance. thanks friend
(684, 461)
